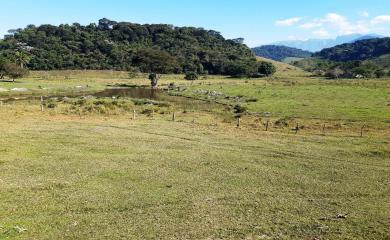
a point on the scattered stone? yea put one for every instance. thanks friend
(19, 89)
(341, 216)
(3, 90)
(78, 87)
(20, 229)
(87, 97)
(209, 93)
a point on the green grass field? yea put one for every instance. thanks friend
(99, 174)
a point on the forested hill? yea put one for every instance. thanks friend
(357, 51)
(278, 53)
(123, 46)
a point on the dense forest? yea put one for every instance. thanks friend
(357, 51)
(279, 53)
(127, 46)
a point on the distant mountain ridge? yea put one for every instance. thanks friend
(315, 45)
(279, 53)
(357, 51)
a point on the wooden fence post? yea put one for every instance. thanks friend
(266, 125)
(41, 103)
(133, 114)
(323, 129)
(174, 116)
(238, 122)
(362, 130)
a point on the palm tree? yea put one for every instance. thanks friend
(22, 58)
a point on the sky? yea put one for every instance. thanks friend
(257, 21)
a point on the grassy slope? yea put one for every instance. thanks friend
(106, 176)
(65, 177)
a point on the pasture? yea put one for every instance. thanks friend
(86, 168)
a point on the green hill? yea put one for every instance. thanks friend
(357, 51)
(280, 53)
(123, 46)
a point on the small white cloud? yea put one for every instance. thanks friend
(380, 19)
(288, 22)
(311, 25)
(322, 33)
(364, 14)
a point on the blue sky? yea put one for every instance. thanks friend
(258, 21)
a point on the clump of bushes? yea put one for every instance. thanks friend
(191, 76)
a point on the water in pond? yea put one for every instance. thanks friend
(140, 93)
(137, 93)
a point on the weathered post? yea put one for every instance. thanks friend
(362, 130)
(173, 116)
(41, 103)
(238, 122)
(323, 129)
(296, 128)
(134, 114)
(267, 125)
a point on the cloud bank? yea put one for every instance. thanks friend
(333, 24)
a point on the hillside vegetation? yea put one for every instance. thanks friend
(279, 53)
(125, 46)
(357, 51)
(361, 59)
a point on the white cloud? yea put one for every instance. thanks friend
(334, 24)
(311, 25)
(288, 22)
(364, 14)
(380, 19)
(321, 33)
(339, 23)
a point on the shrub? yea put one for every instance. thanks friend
(191, 76)
(238, 109)
(14, 71)
(266, 68)
(380, 73)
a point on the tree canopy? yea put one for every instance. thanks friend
(279, 53)
(122, 46)
(357, 51)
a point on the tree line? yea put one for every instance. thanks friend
(158, 48)
(279, 53)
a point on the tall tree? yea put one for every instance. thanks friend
(21, 58)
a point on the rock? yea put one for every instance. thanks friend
(20, 229)
(87, 97)
(341, 216)
(19, 89)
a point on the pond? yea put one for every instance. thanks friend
(135, 93)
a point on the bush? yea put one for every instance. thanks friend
(380, 73)
(13, 71)
(238, 109)
(266, 68)
(191, 76)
